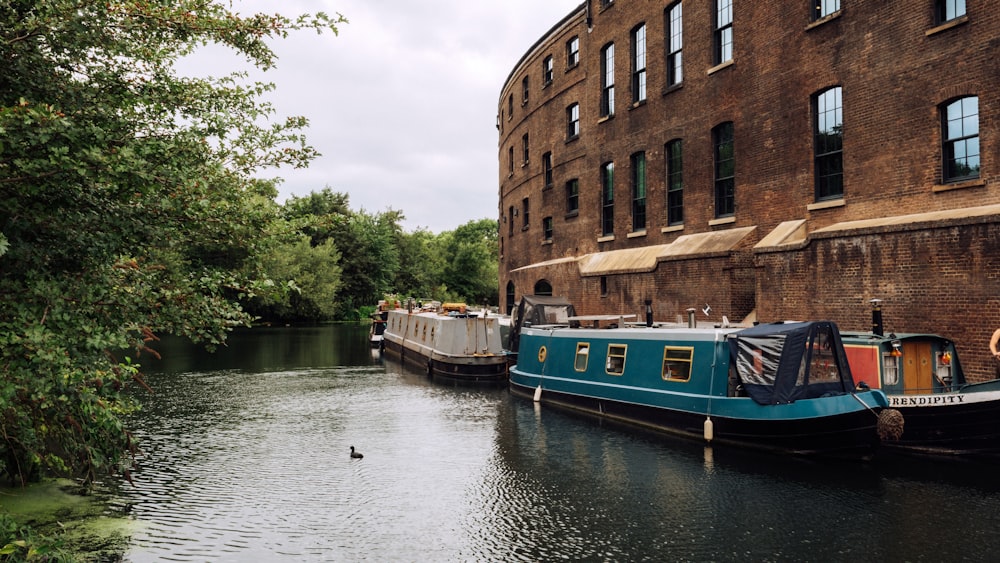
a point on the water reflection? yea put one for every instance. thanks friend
(246, 458)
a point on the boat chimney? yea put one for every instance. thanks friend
(692, 323)
(649, 312)
(877, 328)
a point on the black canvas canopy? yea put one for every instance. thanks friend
(538, 310)
(782, 362)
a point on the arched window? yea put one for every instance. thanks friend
(543, 287)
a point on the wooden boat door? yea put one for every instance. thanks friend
(917, 368)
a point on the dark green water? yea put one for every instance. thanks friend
(245, 458)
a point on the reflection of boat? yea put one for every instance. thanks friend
(449, 343)
(783, 387)
(923, 379)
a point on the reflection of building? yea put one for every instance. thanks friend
(793, 158)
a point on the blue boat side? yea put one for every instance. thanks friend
(632, 374)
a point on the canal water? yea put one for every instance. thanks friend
(245, 457)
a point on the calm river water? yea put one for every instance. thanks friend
(246, 458)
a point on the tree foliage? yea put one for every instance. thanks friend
(128, 208)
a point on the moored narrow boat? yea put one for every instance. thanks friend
(782, 387)
(922, 377)
(448, 343)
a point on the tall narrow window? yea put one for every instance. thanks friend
(638, 191)
(547, 169)
(608, 198)
(947, 10)
(526, 153)
(547, 70)
(723, 36)
(572, 52)
(725, 170)
(524, 90)
(675, 42)
(573, 121)
(823, 8)
(961, 139)
(524, 214)
(510, 107)
(510, 221)
(510, 160)
(639, 64)
(510, 297)
(573, 196)
(829, 144)
(608, 80)
(547, 229)
(675, 183)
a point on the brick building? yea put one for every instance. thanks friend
(774, 159)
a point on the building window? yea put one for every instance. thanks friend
(510, 297)
(606, 3)
(572, 52)
(573, 196)
(573, 121)
(829, 144)
(547, 71)
(547, 168)
(638, 191)
(524, 214)
(604, 286)
(608, 198)
(510, 160)
(524, 149)
(543, 287)
(723, 36)
(547, 229)
(960, 121)
(823, 8)
(675, 66)
(639, 64)
(510, 107)
(725, 170)
(947, 10)
(510, 221)
(608, 80)
(675, 183)
(524, 90)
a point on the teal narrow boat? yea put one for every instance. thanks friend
(784, 387)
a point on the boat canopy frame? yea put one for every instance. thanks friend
(780, 363)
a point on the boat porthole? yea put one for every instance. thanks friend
(541, 354)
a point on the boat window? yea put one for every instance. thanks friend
(616, 359)
(890, 373)
(677, 363)
(824, 367)
(582, 354)
(943, 365)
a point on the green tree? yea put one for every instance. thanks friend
(312, 274)
(129, 208)
(472, 261)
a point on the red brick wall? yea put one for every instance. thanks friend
(895, 69)
(942, 280)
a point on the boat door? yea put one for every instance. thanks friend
(917, 368)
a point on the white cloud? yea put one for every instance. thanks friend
(402, 103)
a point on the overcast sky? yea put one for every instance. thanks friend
(402, 103)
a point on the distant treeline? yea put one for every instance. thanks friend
(343, 261)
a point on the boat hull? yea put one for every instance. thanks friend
(457, 348)
(951, 424)
(850, 435)
(943, 414)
